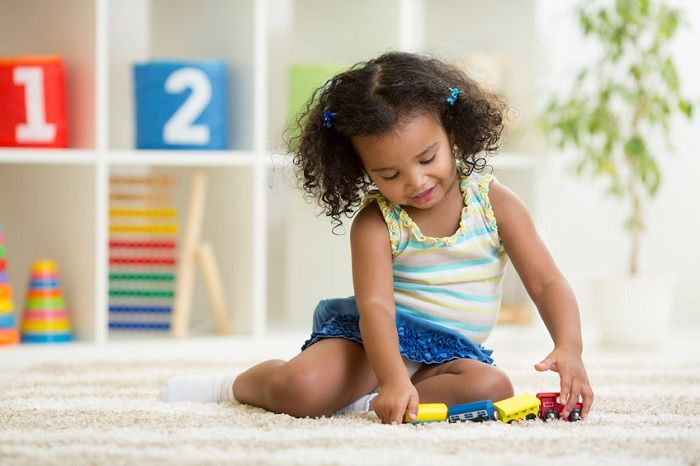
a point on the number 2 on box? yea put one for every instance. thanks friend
(180, 129)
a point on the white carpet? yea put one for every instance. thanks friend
(102, 409)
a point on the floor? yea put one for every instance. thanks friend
(88, 404)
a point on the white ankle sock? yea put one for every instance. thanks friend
(362, 404)
(200, 388)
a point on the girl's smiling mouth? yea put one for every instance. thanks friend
(425, 196)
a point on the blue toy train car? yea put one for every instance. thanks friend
(476, 411)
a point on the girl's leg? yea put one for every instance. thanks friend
(461, 381)
(325, 377)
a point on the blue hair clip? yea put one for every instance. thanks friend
(454, 93)
(328, 118)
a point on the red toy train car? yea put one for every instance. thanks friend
(550, 408)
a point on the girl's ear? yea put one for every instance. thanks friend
(368, 178)
(453, 140)
(455, 148)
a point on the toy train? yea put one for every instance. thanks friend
(544, 405)
(550, 408)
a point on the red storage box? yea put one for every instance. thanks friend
(32, 102)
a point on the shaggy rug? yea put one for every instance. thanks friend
(105, 412)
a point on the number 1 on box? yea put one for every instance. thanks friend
(35, 129)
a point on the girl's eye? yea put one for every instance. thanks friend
(392, 177)
(430, 160)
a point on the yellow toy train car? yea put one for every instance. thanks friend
(524, 406)
(429, 412)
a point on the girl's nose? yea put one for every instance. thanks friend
(415, 181)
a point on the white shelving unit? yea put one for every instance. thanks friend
(272, 250)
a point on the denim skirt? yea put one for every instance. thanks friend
(420, 340)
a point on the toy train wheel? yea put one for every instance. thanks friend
(575, 415)
(551, 415)
(531, 416)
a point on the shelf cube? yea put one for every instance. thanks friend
(32, 102)
(181, 105)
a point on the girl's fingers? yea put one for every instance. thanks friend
(587, 393)
(391, 413)
(397, 413)
(412, 409)
(382, 412)
(564, 392)
(546, 364)
(387, 419)
(573, 398)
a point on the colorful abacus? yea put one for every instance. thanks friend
(142, 251)
(45, 319)
(8, 324)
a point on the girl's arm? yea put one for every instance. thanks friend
(374, 290)
(551, 293)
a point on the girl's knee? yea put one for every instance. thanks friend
(497, 385)
(483, 382)
(297, 392)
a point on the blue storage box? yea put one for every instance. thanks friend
(181, 104)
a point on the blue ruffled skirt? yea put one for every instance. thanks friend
(420, 340)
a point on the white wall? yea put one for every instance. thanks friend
(582, 227)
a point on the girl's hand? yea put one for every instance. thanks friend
(573, 379)
(396, 399)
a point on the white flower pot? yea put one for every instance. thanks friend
(633, 311)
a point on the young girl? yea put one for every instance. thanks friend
(397, 140)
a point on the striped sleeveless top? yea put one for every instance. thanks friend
(454, 281)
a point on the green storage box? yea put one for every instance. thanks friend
(303, 81)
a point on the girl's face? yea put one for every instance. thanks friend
(412, 165)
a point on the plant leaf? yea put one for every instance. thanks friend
(668, 20)
(651, 176)
(670, 75)
(634, 147)
(686, 108)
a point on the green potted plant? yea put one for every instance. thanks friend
(617, 111)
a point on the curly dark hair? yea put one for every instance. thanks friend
(370, 98)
